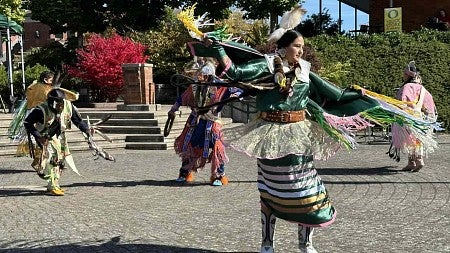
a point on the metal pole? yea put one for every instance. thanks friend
(320, 16)
(391, 3)
(356, 20)
(23, 62)
(8, 53)
(340, 16)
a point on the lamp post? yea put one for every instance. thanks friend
(10, 69)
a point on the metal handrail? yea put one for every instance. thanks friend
(250, 107)
(3, 104)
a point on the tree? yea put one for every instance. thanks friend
(68, 15)
(216, 9)
(96, 15)
(262, 9)
(12, 9)
(168, 55)
(100, 64)
(318, 24)
(252, 33)
(135, 15)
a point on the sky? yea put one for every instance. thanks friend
(347, 13)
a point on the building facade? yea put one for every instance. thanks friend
(415, 13)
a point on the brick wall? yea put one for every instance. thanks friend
(35, 34)
(415, 12)
(139, 86)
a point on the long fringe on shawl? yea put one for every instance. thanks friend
(390, 111)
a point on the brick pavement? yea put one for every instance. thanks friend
(133, 205)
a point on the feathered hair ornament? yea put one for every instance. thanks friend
(411, 69)
(194, 25)
(289, 21)
(413, 72)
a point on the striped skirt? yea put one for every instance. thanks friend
(292, 189)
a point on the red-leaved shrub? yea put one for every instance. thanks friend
(99, 64)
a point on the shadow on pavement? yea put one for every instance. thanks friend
(14, 171)
(112, 246)
(21, 193)
(385, 170)
(149, 182)
(384, 182)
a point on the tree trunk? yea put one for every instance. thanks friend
(273, 21)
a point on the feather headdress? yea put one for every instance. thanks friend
(413, 72)
(289, 21)
(193, 24)
(411, 69)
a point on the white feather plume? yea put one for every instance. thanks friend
(288, 21)
(200, 22)
(292, 18)
(276, 35)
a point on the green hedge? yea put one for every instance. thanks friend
(377, 61)
(31, 74)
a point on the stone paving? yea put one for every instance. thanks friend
(133, 205)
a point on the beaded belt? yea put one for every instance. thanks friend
(283, 116)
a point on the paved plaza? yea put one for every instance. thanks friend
(134, 205)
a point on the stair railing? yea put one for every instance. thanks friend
(3, 104)
(247, 106)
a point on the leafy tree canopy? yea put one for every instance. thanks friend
(262, 9)
(141, 15)
(318, 24)
(12, 9)
(97, 15)
(216, 9)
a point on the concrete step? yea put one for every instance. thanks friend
(128, 122)
(144, 138)
(100, 114)
(5, 116)
(146, 145)
(131, 129)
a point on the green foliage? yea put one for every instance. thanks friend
(217, 10)
(31, 74)
(4, 87)
(62, 16)
(166, 47)
(12, 9)
(377, 61)
(252, 33)
(258, 34)
(3, 79)
(53, 55)
(95, 16)
(318, 24)
(335, 72)
(263, 9)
